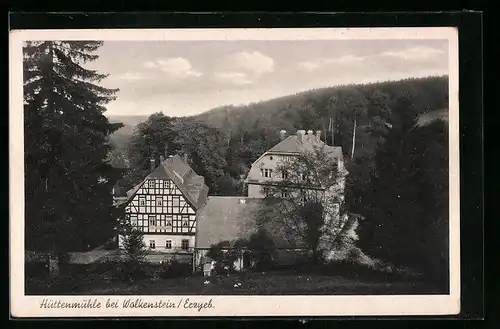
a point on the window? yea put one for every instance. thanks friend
(159, 201)
(152, 244)
(168, 244)
(303, 176)
(166, 184)
(151, 184)
(261, 172)
(152, 220)
(284, 194)
(142, 201)
(185, 223)
(185, 244)
(133, 220)
(271, 157)
(284, 175)
(268, 172)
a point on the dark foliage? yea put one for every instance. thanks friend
(175, 269)
(408, 209)
(68, 181)
(260, 250)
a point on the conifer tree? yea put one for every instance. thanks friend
(68, 183)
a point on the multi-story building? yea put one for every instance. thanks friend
(164, 206)
(264, 170)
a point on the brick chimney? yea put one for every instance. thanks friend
(152, 164)
(282, 134)
(301, 136)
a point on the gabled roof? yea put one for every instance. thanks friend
(229, 218)
(226, 219)
(292, 144)
(187, 181)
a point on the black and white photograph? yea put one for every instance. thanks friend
(184, 172)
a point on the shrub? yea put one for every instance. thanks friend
(224, 255)
(174, 269)
(261, 247)
(131, 270)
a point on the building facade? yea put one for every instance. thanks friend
(164, 207)
(264, 170)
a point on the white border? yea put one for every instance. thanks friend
(367, 305)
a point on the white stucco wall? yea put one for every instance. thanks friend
(255, 191)
(160, 241)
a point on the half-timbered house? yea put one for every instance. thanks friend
(164, 206)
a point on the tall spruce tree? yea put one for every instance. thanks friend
(407, 222)
(68, 183)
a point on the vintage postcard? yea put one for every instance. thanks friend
(234, 172)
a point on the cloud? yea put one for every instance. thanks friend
(250, 62)
(176, 67)
(309, 66)
(323, 62)
(133, 76)
(414, 54)
(236, 78)
(243, 68)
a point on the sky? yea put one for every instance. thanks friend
(182, 78)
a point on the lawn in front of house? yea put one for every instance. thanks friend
(251, 283)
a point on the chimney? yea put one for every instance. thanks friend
(301, 136)
(310, 135)
(185, 158)
(282, 134)
(152, 164)
(318, 135)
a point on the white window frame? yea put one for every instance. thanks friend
(152, 244)
(168, 244)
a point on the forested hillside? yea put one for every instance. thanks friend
(313, 110)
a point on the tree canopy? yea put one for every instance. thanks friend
(67, 178)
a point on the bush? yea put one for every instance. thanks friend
(261, 247)
(131, 270)
(174, 269)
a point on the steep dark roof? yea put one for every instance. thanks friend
(226, 219)
(291, 144)
(189, 183)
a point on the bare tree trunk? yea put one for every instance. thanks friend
(353, 138)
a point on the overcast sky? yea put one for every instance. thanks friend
(188, 77)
